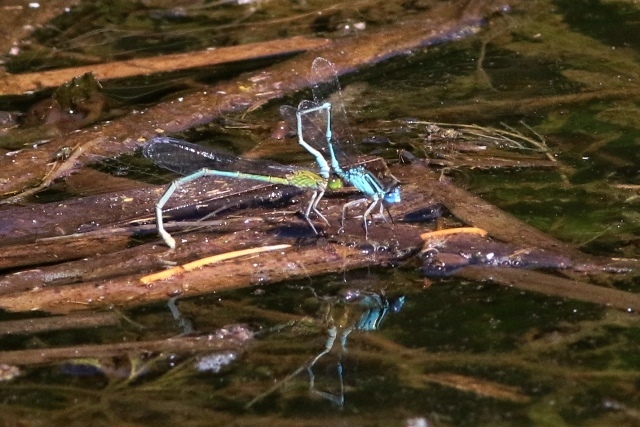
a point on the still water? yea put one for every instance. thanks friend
(383, 345)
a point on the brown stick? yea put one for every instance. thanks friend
(499, 224)
(233, 274)
(229, 338)
(18, 84)
(110, 278)
(548, 284)
(73, 321)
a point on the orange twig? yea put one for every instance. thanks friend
(450, 231)
(205, 261)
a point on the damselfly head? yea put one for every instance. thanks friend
(395, 304)
(392, 195)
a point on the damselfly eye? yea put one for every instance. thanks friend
(393, 195)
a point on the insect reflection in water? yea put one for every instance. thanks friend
(352, 310)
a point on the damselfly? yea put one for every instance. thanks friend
(195, 161)
(321, 119)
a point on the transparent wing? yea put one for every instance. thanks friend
(186, 158)
(326, 88)
(314, 125)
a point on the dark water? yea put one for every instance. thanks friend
(457, 352)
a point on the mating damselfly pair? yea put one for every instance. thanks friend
(315, 123)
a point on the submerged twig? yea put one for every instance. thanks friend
(233, 337)
(527, 106)
(72, 321)
(20, 83)
(551, 285)
(478, 386)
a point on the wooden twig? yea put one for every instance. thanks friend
(233, 337)
(450, 231)
(180, 269)
(476, 385)
(477, 212)
(18, 84)
(108, 278)
(56, 323)
(551, 285)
